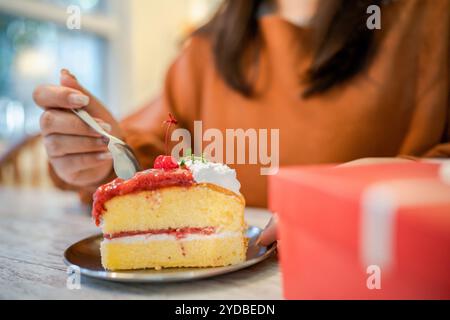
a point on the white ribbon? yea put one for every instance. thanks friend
(377, 223)
(444, 172)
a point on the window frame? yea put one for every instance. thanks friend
(105, 25)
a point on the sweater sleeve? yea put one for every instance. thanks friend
(433, 85)
(442, 150)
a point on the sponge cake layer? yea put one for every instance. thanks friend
(196, 251)
(200, 205)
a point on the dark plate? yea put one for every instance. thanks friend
(85, 254)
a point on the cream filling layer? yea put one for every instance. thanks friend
(165, 237)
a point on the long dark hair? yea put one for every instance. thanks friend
(342, 47)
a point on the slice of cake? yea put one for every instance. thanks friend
(175, 215)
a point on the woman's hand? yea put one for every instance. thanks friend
(269, 234)
(77, 153)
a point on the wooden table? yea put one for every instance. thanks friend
(36, 226)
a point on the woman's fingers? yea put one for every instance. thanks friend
(67, 79)
(56, 121)
(77, 153)
(90, 176)
(84, 176)
(58, 145)
(94, 107)
(78, 162)
(50, 96)
(269, 234)
(69, 166)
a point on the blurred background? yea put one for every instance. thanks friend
(121, 53)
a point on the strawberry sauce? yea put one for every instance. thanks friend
(179, 233)
(143, 181)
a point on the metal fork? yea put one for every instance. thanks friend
(124, 160)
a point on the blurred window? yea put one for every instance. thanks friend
(87, 6)
(34, 45)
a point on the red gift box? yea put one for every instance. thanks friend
(363, 232)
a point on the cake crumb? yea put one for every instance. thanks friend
(158, 268)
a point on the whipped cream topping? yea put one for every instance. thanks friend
(214, 173)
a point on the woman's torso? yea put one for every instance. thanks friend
(398, 105)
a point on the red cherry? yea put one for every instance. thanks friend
(165, 163)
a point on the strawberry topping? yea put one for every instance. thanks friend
(165, 163)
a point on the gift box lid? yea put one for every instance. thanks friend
(366, 209)
(350, 181)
